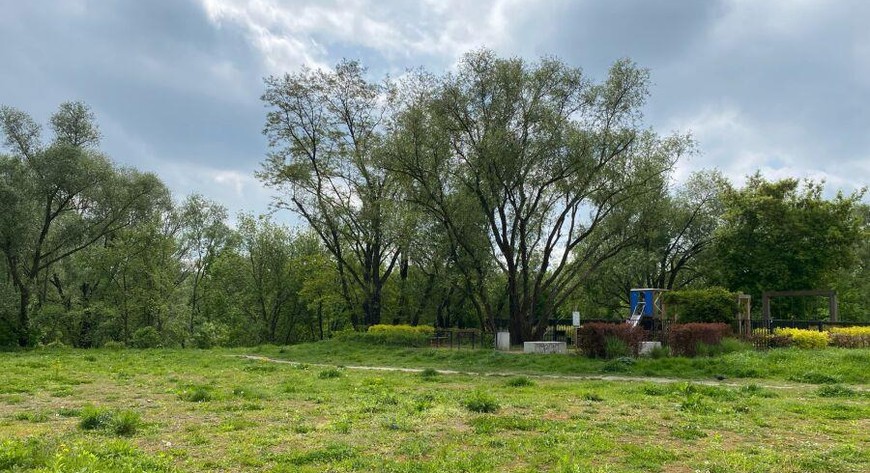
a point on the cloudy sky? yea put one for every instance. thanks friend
(782, 86)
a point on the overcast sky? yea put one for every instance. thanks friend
(782, 86)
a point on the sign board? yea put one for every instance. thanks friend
(576, 318)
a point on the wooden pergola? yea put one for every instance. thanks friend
(831, 295)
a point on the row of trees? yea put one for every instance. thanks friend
(502, 193)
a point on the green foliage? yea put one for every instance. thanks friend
(835, 390)
(146, 337)
(616, 348)
(481, 402)
(429, 373)
(125, 423)
(711, 305)
(784, 235)
(393, 335)
(519, 382)
(94, 418)
(196, 393)
(113, 345)
(329, 373)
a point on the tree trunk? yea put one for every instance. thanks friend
(23, 322)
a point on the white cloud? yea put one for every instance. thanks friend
(290, 34)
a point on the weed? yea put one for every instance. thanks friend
(835, 390)
(814, 377)
(519, 382)
(592, 397)
(93, 418)
(329, 373)
(125, 423)
(32, 416)
(429, 374)
(481, 402)
(196, 393)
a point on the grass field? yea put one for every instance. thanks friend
(175, 410)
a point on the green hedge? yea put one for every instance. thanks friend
(396, 335)
(712, 305)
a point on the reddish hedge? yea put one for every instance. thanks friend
(592, 337)
(684, 338)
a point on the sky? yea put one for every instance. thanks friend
(781, 86)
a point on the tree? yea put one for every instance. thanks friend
(784, 235)
(674, 248)
(552, 165)
(59, 199)
(203, 235)
(325, 132)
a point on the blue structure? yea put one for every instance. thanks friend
(645, 304)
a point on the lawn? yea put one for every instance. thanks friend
(177, 410)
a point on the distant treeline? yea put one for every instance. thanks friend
(503, 190)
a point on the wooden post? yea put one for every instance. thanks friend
(832, 307)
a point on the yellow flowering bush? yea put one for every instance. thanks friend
(802, 338)
(853, 331)
(850, 337)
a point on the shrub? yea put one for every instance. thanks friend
(396, 335)
(592, 338)
(146, 337)
(114, 345)
(616, 348)
(684, 339)
(196, 394)
(850, 337)
(482, 402)
(93, 418)
(806, 339)
(520, 382)
(429, 373)
(329, 373)
(125, 423)
(712, 305)
(835, 390)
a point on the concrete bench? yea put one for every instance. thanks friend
(545, 347)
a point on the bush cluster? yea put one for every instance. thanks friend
(396, 335)
(603, 340)
(712, 305)
(803, 338)
(850, 337)
(685, 339)
(124, 423)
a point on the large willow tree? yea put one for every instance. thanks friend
(325, 130)
(59, 199)
(553, 168)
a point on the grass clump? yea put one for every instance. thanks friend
(196, 393)
(126, 423)
(814, 377)
(123, 423)
(94, 418)
(520, 382)
(835, 390)
(429, 373)
(481, 402)
(329, 373)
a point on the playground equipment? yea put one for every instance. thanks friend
(647, 308)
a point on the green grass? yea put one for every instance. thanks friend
(829, 366)
(210, 410)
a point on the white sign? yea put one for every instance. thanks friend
(576, 316)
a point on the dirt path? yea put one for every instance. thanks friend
(591, 377)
